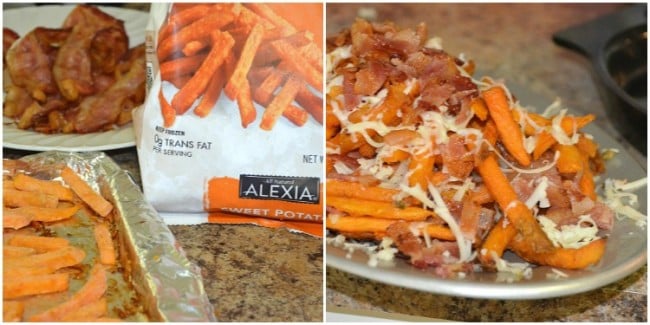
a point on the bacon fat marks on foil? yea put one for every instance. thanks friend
(79, 78)
(449, 171)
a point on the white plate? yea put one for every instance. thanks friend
(626, 249)
(23, 20)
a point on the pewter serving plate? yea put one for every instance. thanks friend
(625, 253)
(23, 20)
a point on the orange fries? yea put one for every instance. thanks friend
(40, 262)
(452, 170)
(258, 36)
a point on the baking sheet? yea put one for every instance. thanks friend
(169, 285)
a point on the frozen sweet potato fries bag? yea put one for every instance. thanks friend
(231, 130)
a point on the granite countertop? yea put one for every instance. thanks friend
(511, 42)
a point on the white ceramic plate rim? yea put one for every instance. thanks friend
(626, 251)
(122, 137)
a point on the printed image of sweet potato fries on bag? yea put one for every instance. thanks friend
(81, 77)
(232, 122)
(451, 171)
(60, 253)
(261, 55)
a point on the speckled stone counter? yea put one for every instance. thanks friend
(511, 42)
(257, 274)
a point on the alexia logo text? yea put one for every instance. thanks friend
(293, 189)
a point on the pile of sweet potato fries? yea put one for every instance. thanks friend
(452, 170)
(250, 52)
(38, 263)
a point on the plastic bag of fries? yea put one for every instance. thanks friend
(231, 130)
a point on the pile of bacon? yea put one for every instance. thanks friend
(79, 78)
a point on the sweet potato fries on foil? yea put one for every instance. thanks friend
(450, 170)
(79, 78)
(60, 253)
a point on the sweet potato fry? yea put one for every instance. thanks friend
(238, 78)
(517, 213)
(11, 218)
(586, 182)
(194, 47)
(11, 167)
(61, 212)
(358, 224)
(478, 107)
(29, 183)
(39, 243)
(34, 284)
(105, 244)
(19, 271)
(496, 241)
(96, 202)
(311, 103)
(264, 11)
(587, 146)
(17, 198)
(295, 115)
(280, 103)
(196, 31)
(247, 111)
(345, 142)
(297, 64)
(312, 53)
(56, 259)
(181, 66)
(570, 160)
(509, 131)
(12, 310)
(91, 291)
(379, 209)
(569, 124)
(178, 20)
(16, 251)
(420, 168)
(222, 42)
(247, 19)
(365, 192)
(377, 226)
(263, 93)
(212, 93)
(89, 311)
(545, 141)
(167, 111)
(567, 258)
(266, 55)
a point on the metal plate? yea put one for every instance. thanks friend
(626, 249)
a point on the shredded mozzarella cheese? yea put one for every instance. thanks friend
(570, 236)
(620, 200)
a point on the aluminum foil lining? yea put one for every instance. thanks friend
(169, 285)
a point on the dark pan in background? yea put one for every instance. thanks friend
(616, 45)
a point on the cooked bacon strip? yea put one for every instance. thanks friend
(103, 109)
(72, 68)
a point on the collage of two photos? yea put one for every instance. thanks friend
(324, 162)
